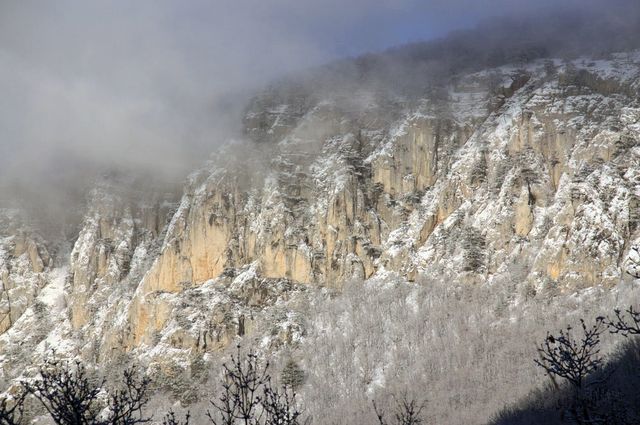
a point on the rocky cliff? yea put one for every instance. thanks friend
(24, 260)
(527, 172)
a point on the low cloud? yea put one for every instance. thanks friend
(155, 86)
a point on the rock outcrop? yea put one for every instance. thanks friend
(541, 174)
(548, 181)
(24, 261)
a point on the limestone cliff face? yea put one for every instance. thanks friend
(548, 181)
(536, 180)
(24, 262)
(117, 237)
(120, 237)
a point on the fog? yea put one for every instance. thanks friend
(154, 86)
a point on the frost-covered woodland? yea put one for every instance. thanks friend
(370, 237)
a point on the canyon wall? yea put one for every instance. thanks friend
(536, 181)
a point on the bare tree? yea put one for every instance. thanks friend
(70, 396)
(225, 407)
(249, 397)
(170, 419)
(592, 401)
(126, 403)
(407, 412)
(570, 358)
(244, 381)
(11, 409)
(280, 406)
(66, 392)
(623, 325)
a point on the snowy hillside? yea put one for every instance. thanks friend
(524, 178)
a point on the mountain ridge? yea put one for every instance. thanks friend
(526, 173)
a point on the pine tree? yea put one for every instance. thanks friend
(292, 375)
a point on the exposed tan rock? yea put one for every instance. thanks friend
(412, 163)
(523, 214)
(455, 190)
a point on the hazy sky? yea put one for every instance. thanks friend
(147, 83)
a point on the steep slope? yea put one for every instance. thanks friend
(23, 262)
(346, 192)
(527, 173)
(536, 177)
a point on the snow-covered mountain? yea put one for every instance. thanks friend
(527, 173)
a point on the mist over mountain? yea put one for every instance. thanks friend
(418, 69)
(425, 224)
(155, 88)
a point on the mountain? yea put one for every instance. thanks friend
(520, 181)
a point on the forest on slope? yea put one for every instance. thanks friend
(535, 140)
